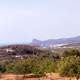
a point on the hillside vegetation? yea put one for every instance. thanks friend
(23, 59)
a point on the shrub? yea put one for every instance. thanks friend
(70, 66)
(72, 52)
(2, 68)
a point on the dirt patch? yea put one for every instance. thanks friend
(49, 76)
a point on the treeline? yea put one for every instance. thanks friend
(68, 64)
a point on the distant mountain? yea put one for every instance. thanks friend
(56, 42)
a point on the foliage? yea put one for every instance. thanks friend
(36, 66)
(72, 52)
(2, 69)
(69, 66)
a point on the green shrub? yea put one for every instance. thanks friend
(72, 52)
(70, 66)
(2, 68)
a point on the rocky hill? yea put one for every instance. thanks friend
(56, 42)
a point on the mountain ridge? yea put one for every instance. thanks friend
(49, 42)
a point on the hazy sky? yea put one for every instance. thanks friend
(23, 20)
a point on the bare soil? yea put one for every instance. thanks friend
(49, 76)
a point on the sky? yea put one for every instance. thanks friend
(23, 20)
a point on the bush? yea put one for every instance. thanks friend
(70, 66)
(35, 66)
(48, 65)
(72, 52)
(2, 68)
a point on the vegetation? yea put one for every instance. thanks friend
(40, 62)
(70, 66)
(27, 66)
(72, 52)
